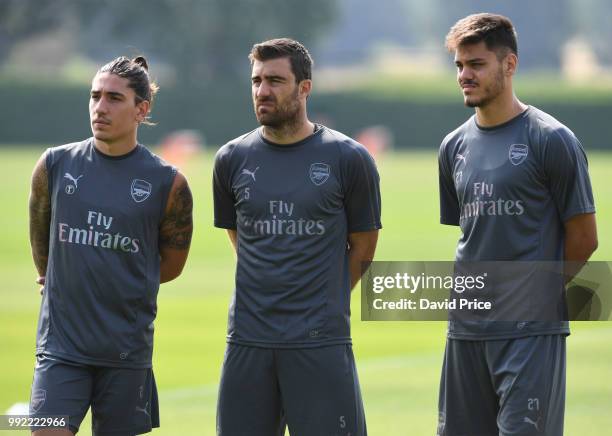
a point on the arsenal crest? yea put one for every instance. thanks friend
(518, 153)
(140, 190)
(319, 173)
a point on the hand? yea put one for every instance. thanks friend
(41, 281)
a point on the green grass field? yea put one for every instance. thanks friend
(398, 363)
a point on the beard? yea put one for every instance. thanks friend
(281, 115)
(490, 92)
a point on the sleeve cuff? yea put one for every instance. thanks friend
(572, 213)
(225, 225)
(365, 227)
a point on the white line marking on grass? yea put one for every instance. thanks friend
(190, 392)
(363, 365)
(399, 361)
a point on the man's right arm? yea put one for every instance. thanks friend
(40, 217)
(580, 243)
(449, 203)
(223, 196)
(233, 235)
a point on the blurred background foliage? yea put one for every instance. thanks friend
(377, 63)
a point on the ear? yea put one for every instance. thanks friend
(510, 64)
(305, 87)
(142, 110)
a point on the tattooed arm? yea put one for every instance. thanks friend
(40, 218)
(175, 230)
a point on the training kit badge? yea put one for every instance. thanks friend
(319, 173)
(518, 153)
(140, 190)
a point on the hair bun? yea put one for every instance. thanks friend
(140, 60)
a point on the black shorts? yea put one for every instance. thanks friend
(123, 401)
(503, 387)
(314, 391)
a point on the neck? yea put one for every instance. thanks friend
(289, 133)
(115, 148)
(500, 110)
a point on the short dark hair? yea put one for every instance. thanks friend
(299, 58)
(137, 72)
(496, 31)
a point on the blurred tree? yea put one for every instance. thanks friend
(23, 19)
(542, 26)
(592, 19)
(362, 24)
(205, 41)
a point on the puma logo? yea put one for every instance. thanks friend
(75, 181)
(536, 424)
(250, 173)
(462, 157)
(143, 409)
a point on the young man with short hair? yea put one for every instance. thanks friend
(301, 205)
(508, 378)
(109, 221)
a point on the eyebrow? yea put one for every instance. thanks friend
(470, 61)
(110, 93)
(269, 77)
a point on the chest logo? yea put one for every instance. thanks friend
(462, 157)
(249, 173)
(72, 187)
(140, 190)
(319, 173)
(518, 153)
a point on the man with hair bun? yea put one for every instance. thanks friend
(109, 222)
(504, 376)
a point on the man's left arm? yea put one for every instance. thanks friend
(362, 205)
(566, 166)
(362, 246)
(175, 230)
(580, 242)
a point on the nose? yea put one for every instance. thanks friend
(99, 106)
(263, 90)
(464, 73)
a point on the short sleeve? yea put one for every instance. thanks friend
(362, 202)
(566, 168)
(449, 204)
(223, 197)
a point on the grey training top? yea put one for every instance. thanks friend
(293, 207)
(511, 188)
(102, 277)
